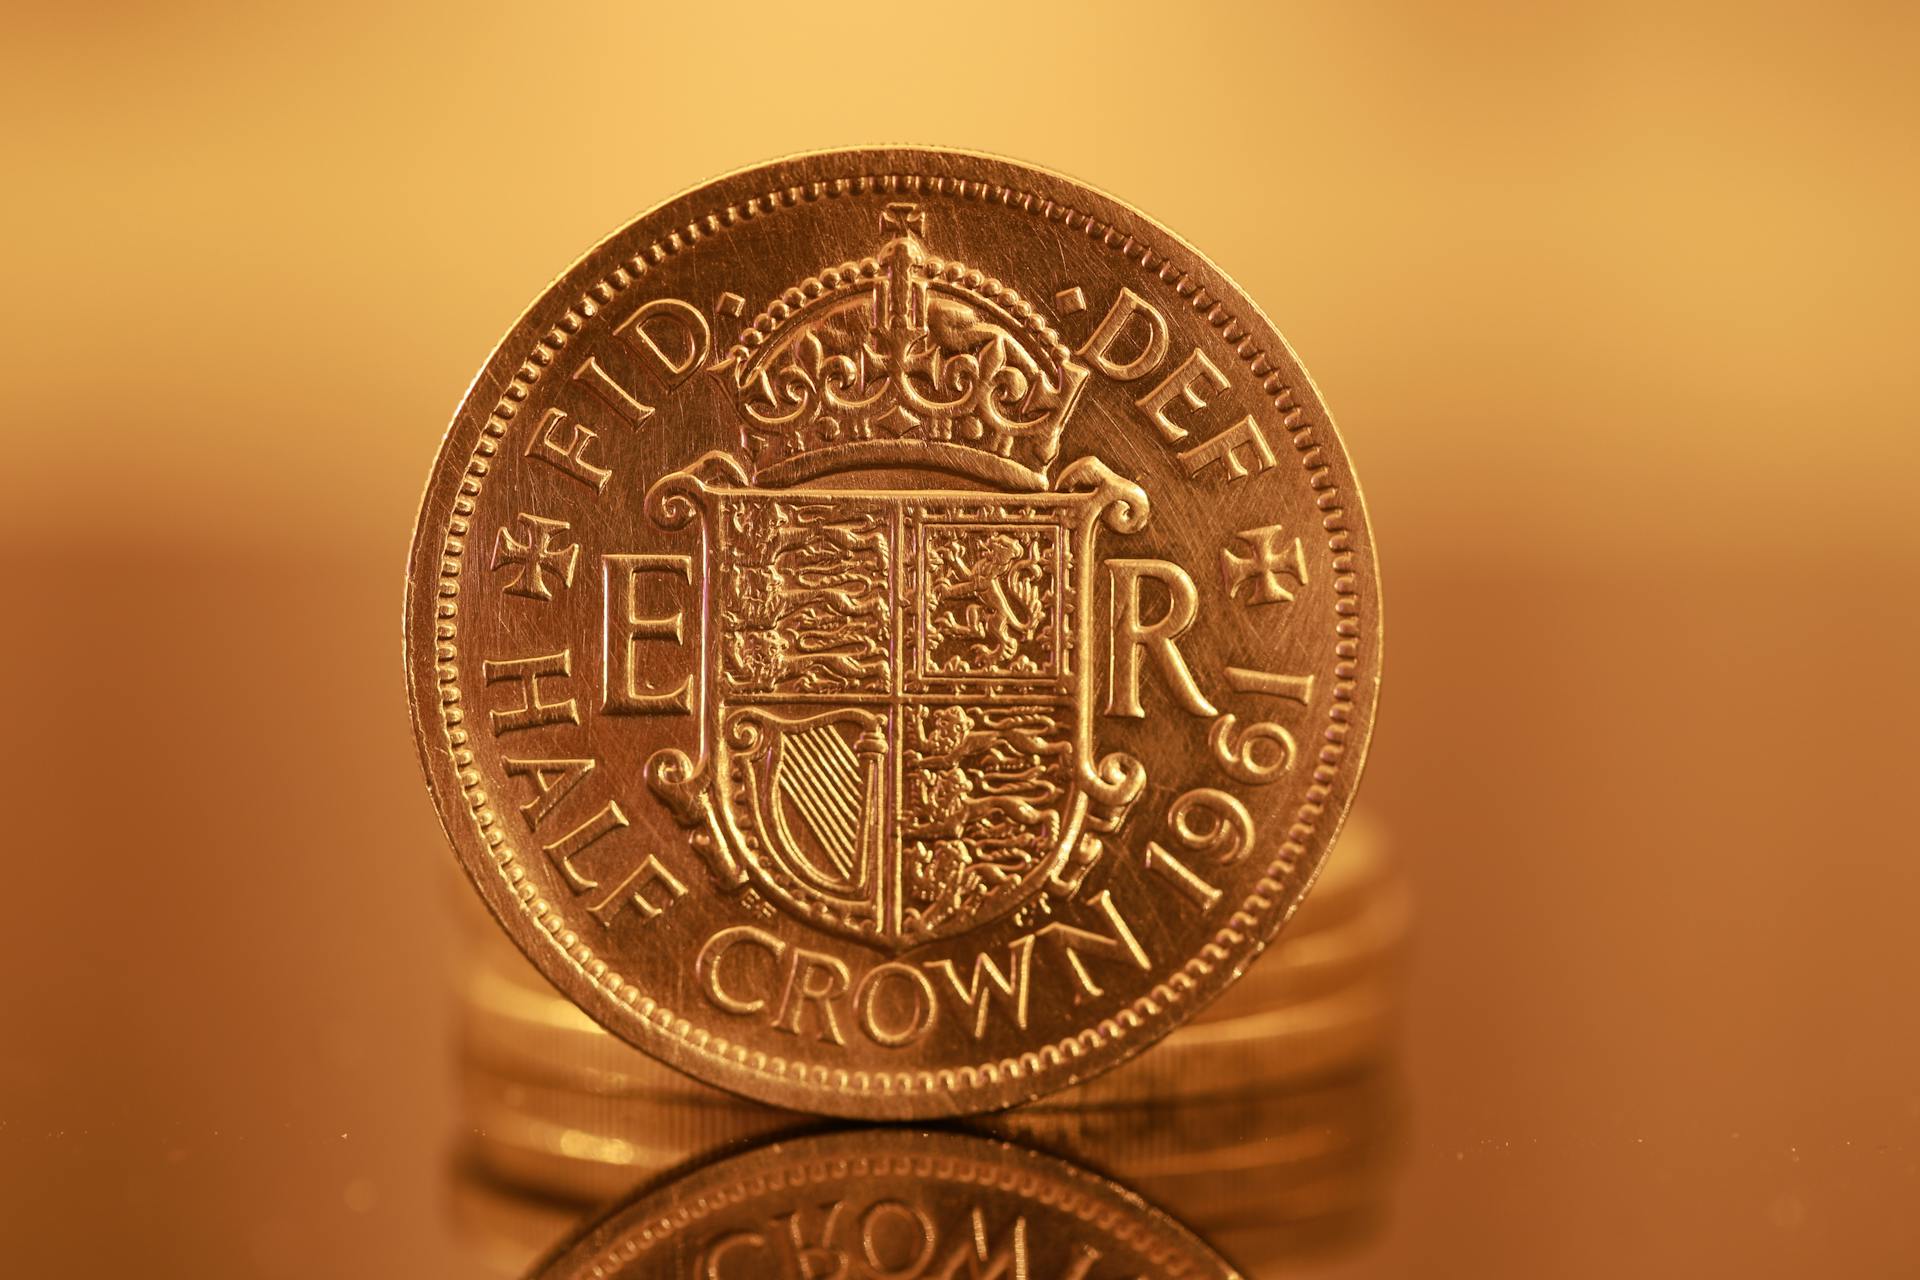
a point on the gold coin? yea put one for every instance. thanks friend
(892, 633)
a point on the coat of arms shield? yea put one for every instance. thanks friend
(894, 694)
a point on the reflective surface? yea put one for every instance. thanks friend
(1617, 309)
(902, 1202)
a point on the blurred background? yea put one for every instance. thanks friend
(1614, 308)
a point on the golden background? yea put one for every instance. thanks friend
(1615, 308)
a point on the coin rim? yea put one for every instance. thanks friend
(440, 541)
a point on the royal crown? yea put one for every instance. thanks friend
(902, 360)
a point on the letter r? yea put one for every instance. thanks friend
(1132, 638)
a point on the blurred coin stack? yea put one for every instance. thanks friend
(1265, 1123)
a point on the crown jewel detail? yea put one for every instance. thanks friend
(902, 359)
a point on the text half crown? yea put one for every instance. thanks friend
(902, 360)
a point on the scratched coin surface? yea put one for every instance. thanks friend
(874, 1203)
(892, 632)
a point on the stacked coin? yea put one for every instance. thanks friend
(1264, 1121)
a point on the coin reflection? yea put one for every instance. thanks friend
(883, 1203)
(1263, 1178)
